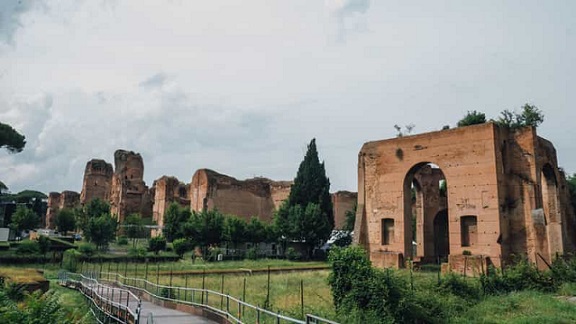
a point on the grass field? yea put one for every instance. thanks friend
(285, 294)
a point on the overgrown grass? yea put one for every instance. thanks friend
(20, 275)
(74, 304)
(200, 265)
(520, 307)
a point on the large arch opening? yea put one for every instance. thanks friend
(426, 231)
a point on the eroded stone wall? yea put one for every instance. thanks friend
(166, 191)
(342, 202)
(97, 181)
(129, 193)
(252, 197)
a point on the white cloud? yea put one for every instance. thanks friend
(348, 15)
(241, 87)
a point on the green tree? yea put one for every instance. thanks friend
(181, 246)
(472, 118)
(24, 219)
(157, 244)
(571, 182)
(350, 219)
(529, 116)
(101, 230)
(10, 139)
(93, 209)
(65, 221)
(256, 231)
(309, 204)
(234, 230)
(134, 227)
(175, 218)
(211, 227)
(3, 188)
(44, 243)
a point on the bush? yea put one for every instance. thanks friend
(460, 287)
(70, 260)
(44, 244)
(87, 249)
(292, 254)
(252, 253)
(28, 247)
(157, 244)
(135, 252)
(180, 246)
(521, 276)
(122, 240)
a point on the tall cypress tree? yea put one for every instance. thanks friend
(307, 214)
(311, 184)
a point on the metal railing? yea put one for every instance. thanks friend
(232, 308)
(116, 304)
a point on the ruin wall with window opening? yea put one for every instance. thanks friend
(504, 195)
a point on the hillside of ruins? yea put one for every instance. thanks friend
(123, 187)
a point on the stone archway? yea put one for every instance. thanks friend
(425, 196)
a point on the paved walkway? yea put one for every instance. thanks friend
(165, 315)
(160, 314)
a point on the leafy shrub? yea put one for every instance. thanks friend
(521, 276)
(87, 249)
(252, 253)
(460, 287)
(70, 260)
(122, 240)
(167, 293)
(292, 254)
(136, 252)
(181, 246)
(157, 244)
(28, 247)
(44, 244)
(564, 271)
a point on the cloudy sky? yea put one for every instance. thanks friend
(242, 86)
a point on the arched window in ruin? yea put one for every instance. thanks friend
(182, 192)
(469, 230)
(387, 230)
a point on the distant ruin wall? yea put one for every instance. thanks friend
(342, 202)
(58, 201)
(253, 197)
(129, 194)
(166, 191)
(97, 181)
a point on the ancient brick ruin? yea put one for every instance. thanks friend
(124, 188)
(342, 202)
(166, 191)
(129, 193)
(484, 190)
(58, 201)
(252, 197)
(97, 181)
